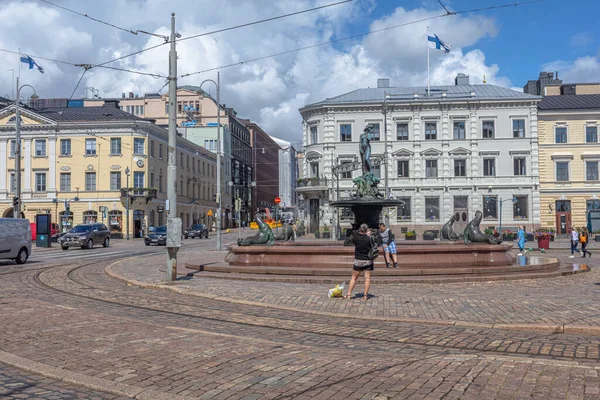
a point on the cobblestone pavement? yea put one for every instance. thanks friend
(76, 318)
(16, 384)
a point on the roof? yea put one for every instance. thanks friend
(570, 102)
(83, 114)
(407, 94)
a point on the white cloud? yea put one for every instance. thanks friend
(583, 69)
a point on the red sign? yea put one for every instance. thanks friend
(277, 200)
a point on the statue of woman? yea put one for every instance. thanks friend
(365, 150)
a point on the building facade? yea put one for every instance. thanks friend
(453, 151)
(288, 173)
(85, 164)
(569, 157)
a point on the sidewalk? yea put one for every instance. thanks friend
(548, 304)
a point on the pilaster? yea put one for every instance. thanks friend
(26, 174)
(3, 167)
(52, 167)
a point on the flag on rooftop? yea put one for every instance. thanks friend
(436, 43)
(31, 62)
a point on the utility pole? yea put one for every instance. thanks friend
(385, 159)
(173, 223)
(17, 198)
(218, 161)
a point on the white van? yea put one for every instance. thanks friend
(15, 239)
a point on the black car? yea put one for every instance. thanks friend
(196, 231)
(158, 236)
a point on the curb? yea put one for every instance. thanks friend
(541, 328)
(90, 382)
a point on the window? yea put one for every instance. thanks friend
(12, 182)
(115, 146)
(138, 146)
(431, 169)
(181, 159)
(562, 171)
(141, 110)
(346, 174)
(518, 128)
(520, 168)
(160, 151)
(432, 208)
(160, 183)
(520, 207)
(90, 181)
(138, 179)
(592, 205)
(40, 147)
(151, 183)
(460, 167)
(129, 109)
(65, 147)
(563, 205)
(403, 212)
(375, 132)
(40, 182)
(490, 207)
(560, 133)
(376, 171)
(137, 109)
(167, 108)
(314, 136)
(489, 167)
(487, 129)
(314, 169)
(402, 131)
(115, 180)
(345, 132)
(13, 147)
(591, 134)
(90, 147)
(591, 170)
(65, 181)
(430, 131)
(459, 130)
(403, 169)
(152, 148)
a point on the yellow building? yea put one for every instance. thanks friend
(568, 159)
(104, 157)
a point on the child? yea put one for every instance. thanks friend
(522, 238)
(583, 238)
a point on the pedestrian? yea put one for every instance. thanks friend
(521, 239)
(363, 259)
(584, 239)
(388, 243)
(574, 242)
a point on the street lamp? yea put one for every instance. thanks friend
(127, 172)
(218, 85)
(238, 205)
(500, 202)
(17, 198)
(386, 96)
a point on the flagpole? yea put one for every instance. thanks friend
(427, 41)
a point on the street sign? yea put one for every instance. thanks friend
(277, 200)
(160, 209)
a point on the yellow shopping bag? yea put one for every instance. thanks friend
(337, 290)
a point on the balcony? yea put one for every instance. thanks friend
(312, 184)
(138, 193)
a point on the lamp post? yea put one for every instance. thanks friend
(500, 202)
(218, 85)
(17, 199)
(127, 172)
(386, 96)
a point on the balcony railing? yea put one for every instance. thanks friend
(133, 193)
(311, 182)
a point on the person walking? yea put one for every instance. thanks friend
(584, 239)
(521, 239)
(389, 246)
(574, 242)
(363, 244)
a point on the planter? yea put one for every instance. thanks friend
(325, 235)
(530, 237)
(317, 235)
(428, 237)
(597, 238)
(543, 242)
(508, 238)
(410, 238)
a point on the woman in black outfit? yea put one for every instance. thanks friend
(362, 245)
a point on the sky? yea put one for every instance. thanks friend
(506, 45)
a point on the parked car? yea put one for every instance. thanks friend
(158, 236)
(196, 231)
(54, 229)
(15, 239)
(85, 236)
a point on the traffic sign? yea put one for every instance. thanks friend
(277, 200)
(209, 213)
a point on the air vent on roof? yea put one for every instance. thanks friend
(106, 114)
(383, 83)
(461, 79)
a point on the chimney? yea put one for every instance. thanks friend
(461, 79)
(131, 95)
(383, 83)
(122, 95)
(137, 95)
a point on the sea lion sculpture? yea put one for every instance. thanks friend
(287, 233)
(264, 236)
(472, 233)
(301, 230)
(447, 232)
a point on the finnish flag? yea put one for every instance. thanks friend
(30, 61)
(436, 43)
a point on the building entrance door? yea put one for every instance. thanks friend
(314, 215)
(461, 213)
(563, 217)
(138, 224)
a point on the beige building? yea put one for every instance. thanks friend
(104, 157)
(568, 160)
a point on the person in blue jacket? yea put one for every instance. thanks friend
(521, 239)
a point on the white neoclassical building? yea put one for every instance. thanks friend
(454, 150)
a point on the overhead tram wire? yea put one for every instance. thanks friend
(448, 14)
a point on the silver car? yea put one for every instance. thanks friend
(86, 236)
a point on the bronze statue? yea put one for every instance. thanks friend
(365, 150)
(264, 236)
(287, 233)
(447, 232)
(366, 185)
(472, 234)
